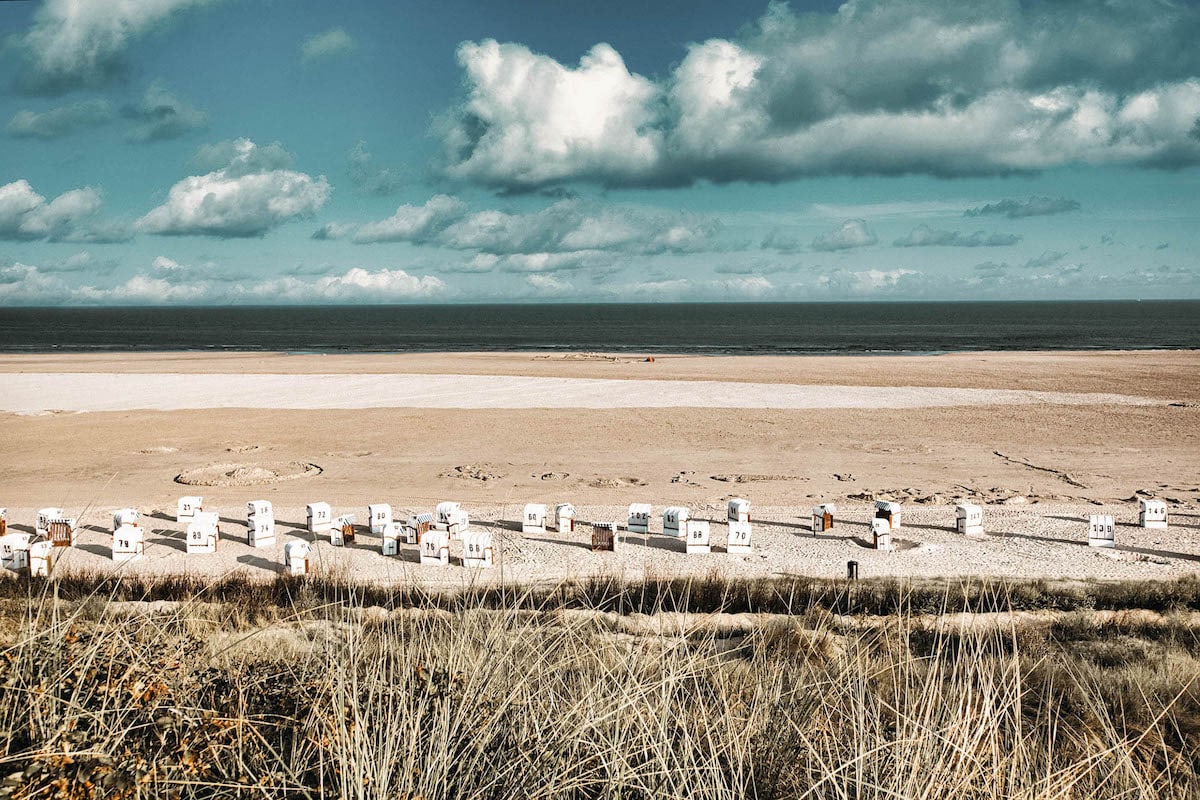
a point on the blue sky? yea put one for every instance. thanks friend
(251, 151)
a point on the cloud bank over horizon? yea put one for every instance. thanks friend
(878, 88)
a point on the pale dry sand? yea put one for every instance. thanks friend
(1033, 460)
(42, 392)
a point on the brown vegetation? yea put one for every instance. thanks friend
(798, 688)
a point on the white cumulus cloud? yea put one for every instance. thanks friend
(414, 223)
(530, 120)
(567, 226)
(897, 87)
(73, 216)
(549, 285)
(851, 234)
(248, 196)
(76, 44)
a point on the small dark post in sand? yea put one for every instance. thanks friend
(851, 570)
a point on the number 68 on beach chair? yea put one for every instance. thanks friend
(534, 518)
(477, 549)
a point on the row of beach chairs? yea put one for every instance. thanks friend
(433, 532)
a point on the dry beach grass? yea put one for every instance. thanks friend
(318, 689)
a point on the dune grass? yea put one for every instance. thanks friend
(317, 689)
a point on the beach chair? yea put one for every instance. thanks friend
(320, 517)
(639, 518)
(881, 534)
(1102, 531)
(451, 518)
(296, 556)
(126, 516)
(188, 507)
(379, 516)
(477, 549)
(887, 510)
(341, 532)
(697, 537)
(389, 542)
(41, 527)
(203, 533)
(739, 539)
(968, 519)
(1152, 513)
(822, 517)
(417, 526)
(675, 521)
(564, 518)
(62, 532)
(14, 551)
(260, 530)
(605, 537)
(128, 544)
(435, 548)
(41, 559)
(534, 518)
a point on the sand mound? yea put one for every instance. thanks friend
(247, 474)
(474, 472)
(616, 483)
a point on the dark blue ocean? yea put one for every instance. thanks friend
(638, 328)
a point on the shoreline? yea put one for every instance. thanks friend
(571, 351)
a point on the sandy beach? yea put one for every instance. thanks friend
(1042, 440)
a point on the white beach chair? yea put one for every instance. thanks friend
(968, 519)
(697, 537)
(739, 539)
(296, 555)
(675, 521)
(534, 518)
(477, 549)
(1102, 531)
(639, 518)
(435, 548)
